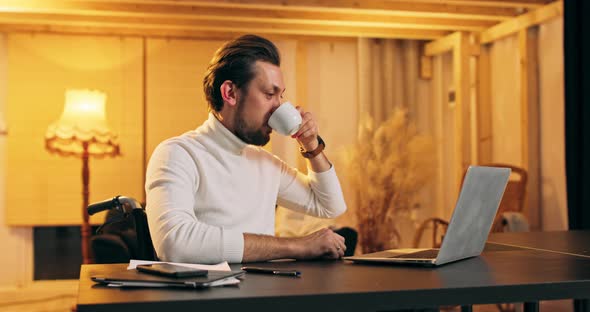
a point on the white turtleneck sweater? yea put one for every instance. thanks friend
(207, 187)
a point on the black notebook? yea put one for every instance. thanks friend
(133, 278)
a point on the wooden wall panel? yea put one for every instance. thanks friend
(293, 61)
(439, 121)
(506, 109)
(449, 184)
(551, 87)
(332, 97)
(485, 133)
(418, 98)
(526, 93)
(175, 102)
(438, 102)
(46, 188)
(529, 101)
(15, 267)
(293, 64)
(462, 127)
(335, 104)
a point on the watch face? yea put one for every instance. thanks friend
(321, 141)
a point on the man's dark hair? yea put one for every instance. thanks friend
(235, 61)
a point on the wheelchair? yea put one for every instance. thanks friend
(124, 235)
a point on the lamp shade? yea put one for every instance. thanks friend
(82, 122)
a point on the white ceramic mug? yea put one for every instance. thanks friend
(286, 119)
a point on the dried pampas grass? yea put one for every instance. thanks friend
(387, 167)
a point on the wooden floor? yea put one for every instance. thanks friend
(43, 296)
(60, 296)
(550, 306)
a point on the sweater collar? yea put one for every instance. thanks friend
(224, 137)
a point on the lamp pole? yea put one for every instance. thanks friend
(85, 229)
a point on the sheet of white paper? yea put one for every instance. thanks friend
(223, 266)
(227, 281)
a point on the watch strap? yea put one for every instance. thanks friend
(316, 151)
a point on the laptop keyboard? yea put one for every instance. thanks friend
(424, 254)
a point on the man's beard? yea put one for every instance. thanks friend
(246, 133)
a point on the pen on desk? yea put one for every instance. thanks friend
(272, 271)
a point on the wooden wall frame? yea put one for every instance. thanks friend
(462, 46)
(473, 119)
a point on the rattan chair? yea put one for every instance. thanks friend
(514, 195)
(438, 226)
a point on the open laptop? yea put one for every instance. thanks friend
(468, 229)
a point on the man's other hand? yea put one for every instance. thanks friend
(321, 244)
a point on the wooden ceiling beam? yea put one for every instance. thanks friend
(524, 21)
(529, 4)
(295, 16)
(418, 19)
(114, 30)
(166, 28)
(442, 45)
(396, 7)
(438, 9)
(264, 16)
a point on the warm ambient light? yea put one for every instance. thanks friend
(82, 121)
(82, 131)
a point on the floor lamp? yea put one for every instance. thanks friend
(82, 131)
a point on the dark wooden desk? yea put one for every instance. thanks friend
(508, 275)
(569, 242)
(564, 242)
